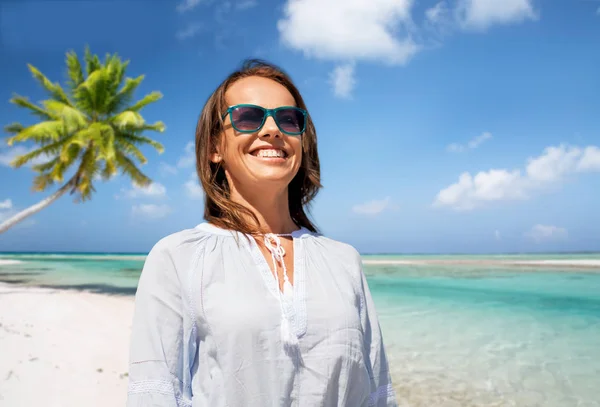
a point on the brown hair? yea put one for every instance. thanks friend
(219, 209)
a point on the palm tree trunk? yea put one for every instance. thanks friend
(4, 226)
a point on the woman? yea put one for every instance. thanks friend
(254, 307)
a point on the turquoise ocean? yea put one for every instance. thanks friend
(457, 335)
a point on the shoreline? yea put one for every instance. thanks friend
(7, 262)
(555, 263)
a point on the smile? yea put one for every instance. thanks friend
(269, 153)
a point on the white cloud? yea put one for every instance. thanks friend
(154, 190)
(548, 169)
(342, 30)
(187, 5)
(166, 169)
(151, 210)
(383, 30)
(193, 188)
(481, 14)
(223, 13)
(343, 80)
(437, 13)
(440, 21)
(8, 154)
(352, 31)
(246, 4)
(470, 192)
(188, 32)
(590, 160)
(554, 163)
(373, 207)
(541, 233)
(188, 159)
(455, 148)
(471, 145)
(6, 204)
(474, 143)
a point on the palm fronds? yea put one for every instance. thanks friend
(92, 125)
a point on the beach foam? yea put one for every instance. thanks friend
(6, 262)
(393, 262)
(568, 263)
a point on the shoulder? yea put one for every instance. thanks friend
(178, 248)
(340, 258)
(171, 258)
(338, 249)
(174, 242)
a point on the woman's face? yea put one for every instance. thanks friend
(256, 158)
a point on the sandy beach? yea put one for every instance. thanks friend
(63, 348)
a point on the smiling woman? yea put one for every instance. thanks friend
(235, 135)
(254, 307)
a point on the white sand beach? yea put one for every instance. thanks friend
(63, 348)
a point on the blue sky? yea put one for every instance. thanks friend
(456, 126)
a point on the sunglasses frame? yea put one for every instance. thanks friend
(267, 113)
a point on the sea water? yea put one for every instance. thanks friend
(455, 335)
(490, 337)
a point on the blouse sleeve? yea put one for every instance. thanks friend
(159, 371)
(382, 391)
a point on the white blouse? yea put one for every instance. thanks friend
(208, 317)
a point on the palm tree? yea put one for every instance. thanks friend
(89, 132)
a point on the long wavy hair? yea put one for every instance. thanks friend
(219, 209)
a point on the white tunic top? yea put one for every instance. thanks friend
(208, 314)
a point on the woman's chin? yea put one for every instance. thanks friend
(273, 177)
(270, 170)
(270, 177)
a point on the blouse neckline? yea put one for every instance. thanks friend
(295, 310)
(210, 228)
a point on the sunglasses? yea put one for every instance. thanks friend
(251, 118)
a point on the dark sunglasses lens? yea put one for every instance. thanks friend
(290, 120)
(247, 118)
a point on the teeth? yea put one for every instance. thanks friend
(270, 153)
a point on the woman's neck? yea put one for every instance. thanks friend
(270, 208)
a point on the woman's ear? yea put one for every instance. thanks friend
(216, 156)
